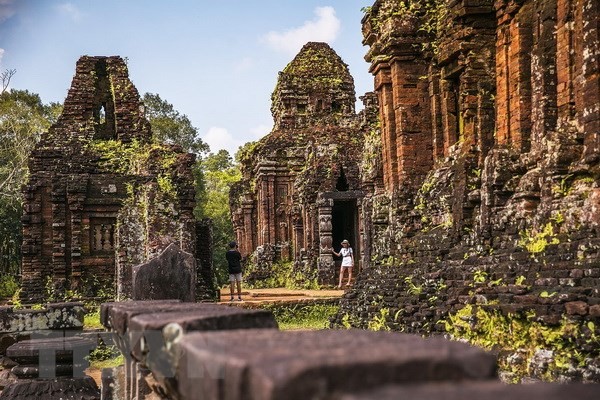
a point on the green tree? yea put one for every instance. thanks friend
(169, 126)
(23, 118)
(214, 173)
(219, 161)
(217, 172)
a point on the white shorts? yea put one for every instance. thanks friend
(235, 277)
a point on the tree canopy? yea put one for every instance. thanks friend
(169, 126)
(215, 175)
(23, 119)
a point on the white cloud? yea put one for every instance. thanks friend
(69, 10)
(325, 27)
(219, 138)
(7, 9)
(1, 55)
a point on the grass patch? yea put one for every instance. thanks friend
(8, 286)
(92, 319)
(302, 316)
(105, 356)
(108, 363)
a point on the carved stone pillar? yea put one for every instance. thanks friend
(364, 228)
(59, 233)
(247, 244)
(298, 231)
(271, 226)
(326, 264)
(588, 90)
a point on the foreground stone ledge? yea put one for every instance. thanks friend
(144, 331)
(56, 389)
(273, 365)
(481, 390)
(116, 315)
(54, 316)
(154, 315)
(137, 320)
(201, 317)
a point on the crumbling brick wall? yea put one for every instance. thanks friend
(501, 212)
(101, 195)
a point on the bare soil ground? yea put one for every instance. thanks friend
(96, 374)
(273, 295)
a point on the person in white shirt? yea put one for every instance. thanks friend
(347, 261)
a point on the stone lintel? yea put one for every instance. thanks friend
(54, 316)
(347, 195)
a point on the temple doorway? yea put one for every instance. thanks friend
(344, 224)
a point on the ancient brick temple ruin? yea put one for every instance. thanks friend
(102, 196)
(301, 192)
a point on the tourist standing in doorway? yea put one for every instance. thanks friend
(234, 262)
(347, 261)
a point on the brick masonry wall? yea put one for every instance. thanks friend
(505, 221)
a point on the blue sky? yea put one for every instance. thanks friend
(215, 61)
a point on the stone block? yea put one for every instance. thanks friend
(576, 308)
(55, 389)
(480, 390)
(199, 317)
(54, 316)
(270, 364)
(171, 275)
(112, 383)
(116, 315)
(50, 357)
(6, 378)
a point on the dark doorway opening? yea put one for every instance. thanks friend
(342, 183)
(344, 226)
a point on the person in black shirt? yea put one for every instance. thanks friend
(234, 261)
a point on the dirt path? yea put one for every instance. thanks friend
(276, 295)
(96, 374)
